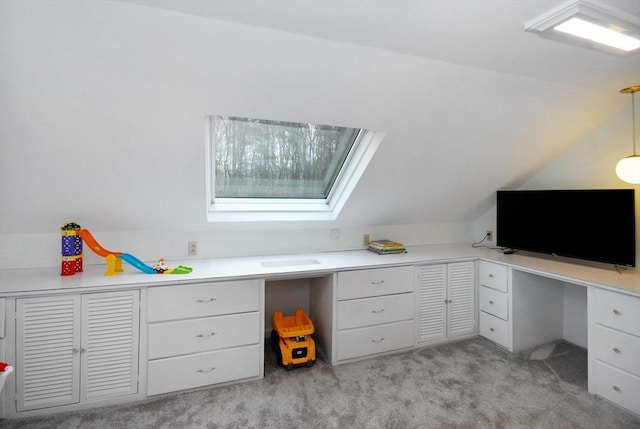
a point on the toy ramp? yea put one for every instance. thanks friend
(137, 263)
(94, 245)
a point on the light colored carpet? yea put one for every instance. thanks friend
(468, 384)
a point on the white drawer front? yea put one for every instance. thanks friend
(375, 282)
(198, 335)
(374, 311)
(378, 339)
(617, 386)
(618, 349)
(618, 311)
(172, 374)
(203, 299)
(494, 302)
(493, 275)
(494, 329)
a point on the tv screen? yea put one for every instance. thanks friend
(596, 225)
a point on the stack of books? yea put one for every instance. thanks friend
(386, 247)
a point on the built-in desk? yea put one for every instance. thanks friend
(528, 301)
(536, 296)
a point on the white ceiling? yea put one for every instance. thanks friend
(481, 33)
(469, 101)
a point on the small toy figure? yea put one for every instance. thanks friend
(160, 267)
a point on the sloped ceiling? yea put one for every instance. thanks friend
(470, 102)
(521, 101)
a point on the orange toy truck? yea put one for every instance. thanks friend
(291, 339)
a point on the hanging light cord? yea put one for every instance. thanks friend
(632, 90)
(633, 112)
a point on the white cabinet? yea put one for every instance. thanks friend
(203, 334)
(614, 347)
(76, 348)
(446, 306)
(375, 312)
(494, 300)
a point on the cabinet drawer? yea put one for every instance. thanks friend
(198, 335)
(618, 311)
(374, 311)
(618, 349)
(617, 386)
(493, 276)
(355, 343)
(494, 329)
(203, 299)
(494, 302)
(172, 374)
(379, 281)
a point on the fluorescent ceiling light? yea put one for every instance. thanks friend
(596, 33)
(590, 23)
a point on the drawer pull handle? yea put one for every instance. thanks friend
(490, 276)
(617, 389)
(203, 300)
(490, 302)
(379, 340)
(617, 312)
(210, 334)
(206, 370)
(378, 282)
(616, 350)
(491, 329)
(378, 311)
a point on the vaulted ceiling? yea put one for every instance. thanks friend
(470, 102)
(499, 100)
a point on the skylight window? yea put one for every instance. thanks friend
(273, 170)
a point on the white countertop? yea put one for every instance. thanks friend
(15, 282)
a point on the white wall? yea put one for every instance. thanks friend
(103, 113)
(589, 164)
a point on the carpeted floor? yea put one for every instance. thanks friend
(468, 384)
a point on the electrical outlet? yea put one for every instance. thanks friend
(489, 235)
(192, 248)
(335, 234)
(365, 240)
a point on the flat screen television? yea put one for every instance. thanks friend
(595, 224)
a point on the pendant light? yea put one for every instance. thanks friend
(628, 169)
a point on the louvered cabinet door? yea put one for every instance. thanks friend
(431, 303)
(461, 315)
(48, 352)
(110, 333)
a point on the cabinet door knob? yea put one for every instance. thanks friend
(490, 302)
(490, 276)
(491, 329)
(617, 312)
(617, 389)
(75, 350)
(205, 300)
(616, 350)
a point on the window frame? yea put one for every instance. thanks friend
(223, 209)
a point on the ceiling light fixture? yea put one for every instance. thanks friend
(628, 169)
(590, 23)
